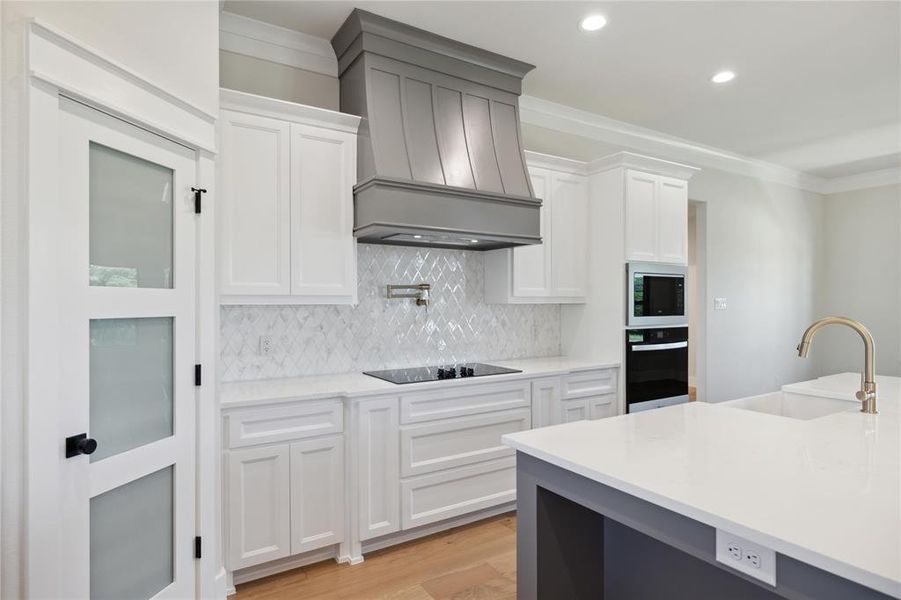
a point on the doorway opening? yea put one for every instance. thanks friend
(696, 285)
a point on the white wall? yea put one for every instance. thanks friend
(862, 279)
(175, 44)
(763, 254)
(265, 78)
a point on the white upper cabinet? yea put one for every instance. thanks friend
(641, 216)
(569, 235)
(286, 217)
(656, 210)
(532, 264)
(255, 205)
(555, 271)
(672, 220)
(323, 251)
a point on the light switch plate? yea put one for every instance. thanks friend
(746, 556)
(719, 304)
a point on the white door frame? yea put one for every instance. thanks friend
(57, 65)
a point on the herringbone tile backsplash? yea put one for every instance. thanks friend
(379, 333)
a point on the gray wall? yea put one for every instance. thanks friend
(764, 244)
(861, 279)
(264, 78)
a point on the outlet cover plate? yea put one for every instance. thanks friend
(766, 572)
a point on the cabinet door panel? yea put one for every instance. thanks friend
(601, 407)
(641, 216)
(531, 264)
(317, 493)
(254, 208)
(545, 401)
(259, 505)
(573, 410)
(378, 455)
(569, 235)
(323, 250)
(672, 221)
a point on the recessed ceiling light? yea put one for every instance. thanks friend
(592, 22)
(417, 237)
(473, 241)
(723, 77)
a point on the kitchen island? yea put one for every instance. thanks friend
(716, 501)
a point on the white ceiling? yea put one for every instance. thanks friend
(818, 86)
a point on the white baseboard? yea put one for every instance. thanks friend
(413, 534)
(284, 564)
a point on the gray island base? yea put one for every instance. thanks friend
(580, 539)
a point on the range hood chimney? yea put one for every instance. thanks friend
(439, 154)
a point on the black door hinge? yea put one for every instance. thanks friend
(197, 370)
(197, 194)
(197, 546)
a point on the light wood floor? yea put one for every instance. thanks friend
(475, 561)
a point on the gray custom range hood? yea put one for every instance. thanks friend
(439, 157)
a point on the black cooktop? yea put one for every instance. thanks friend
(455, 371)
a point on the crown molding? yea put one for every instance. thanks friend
(257, 39)
(630, 160)
(559, 117)
(555, 163)
(862, 181)
(287, 111)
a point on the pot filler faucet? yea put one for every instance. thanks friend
(867, 392)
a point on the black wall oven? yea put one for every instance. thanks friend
(656, 295)
(656, 367)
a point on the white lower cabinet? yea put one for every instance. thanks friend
(259, 505)
(573, 409)
(601, 407)
(545, 400)
(317, 493)
(378, 459)
(299, 479)
(454, 492)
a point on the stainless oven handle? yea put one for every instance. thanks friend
(650, 347)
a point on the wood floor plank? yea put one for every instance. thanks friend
(475, 561)
(451, 584)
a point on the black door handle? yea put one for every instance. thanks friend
(80, 444)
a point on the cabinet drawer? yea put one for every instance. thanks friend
(589, 383)
(431, 447)
(253, 426)
(453, 401)
(452, 493)
(603, 406)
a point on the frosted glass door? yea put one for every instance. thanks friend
(129, 333)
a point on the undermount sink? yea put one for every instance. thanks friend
(795, 406)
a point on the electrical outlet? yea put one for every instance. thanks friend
(734, 551)
(746, 556)
(265, 345)
(719, 304)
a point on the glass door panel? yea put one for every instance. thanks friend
(131, 383)
(132, 538)
(130, 220)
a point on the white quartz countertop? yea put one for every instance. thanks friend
(825, 491)
(246, 393)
